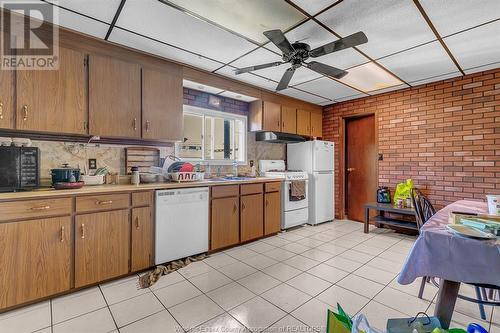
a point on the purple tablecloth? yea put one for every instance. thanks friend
(438, 253)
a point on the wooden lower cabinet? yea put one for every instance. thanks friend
(272, 213)
(35, 259)
(102, 246)
(251, 217)
(225, 227)
(142, 239)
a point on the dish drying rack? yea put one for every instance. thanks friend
(180, 177)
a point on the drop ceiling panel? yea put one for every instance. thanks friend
(370, 77)
(248, 78)
(420, 63)
(348, 98)
(292, 92)
(381, 91)
(301, 74)
(452, 16)
(476, 47)
(257, 57)
(436, 78)
(482, 68)
(312, 7)
(162, 22)
(237, 96)
(390, 25)
(201, 87)
(248, 18)
(150, 46)
(328, 88)
(81, 23)
(99, 9)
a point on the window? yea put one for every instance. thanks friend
(213, 136)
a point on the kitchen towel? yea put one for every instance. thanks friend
(297, 190)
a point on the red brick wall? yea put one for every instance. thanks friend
(200, 98)
(444, 135)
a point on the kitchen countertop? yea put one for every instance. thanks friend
(102, 189)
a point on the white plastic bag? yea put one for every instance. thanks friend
(360, 323)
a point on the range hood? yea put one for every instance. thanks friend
(278, 137)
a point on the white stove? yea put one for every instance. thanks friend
(294, 209)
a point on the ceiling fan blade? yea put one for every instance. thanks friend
(285, 79)
(343, 43)
(278, 38)
(257, 67)
(326, 69)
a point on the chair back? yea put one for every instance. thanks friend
(423, 207)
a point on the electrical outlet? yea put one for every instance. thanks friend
(92, 163)
(380, 157)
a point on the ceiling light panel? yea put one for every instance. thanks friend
(420, 63)
(390, 25)
(81, 23)
(237, 96)
(249, 18)
(452, 16)
(301, 74)
(150, 46)
(328, 88)
(313, 7)
(99, 9)
(477, 47)
(201, 87)
(370, 77)
(167, 24)
(248, 78)
(304, 96)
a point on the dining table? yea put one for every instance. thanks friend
(451, 258)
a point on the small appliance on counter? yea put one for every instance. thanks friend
(19, 168)
(66, 178)
(383, 194)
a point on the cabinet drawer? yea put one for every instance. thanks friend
(273, 187)
(224, 191)
(142, 198)
(251, 189)
(101, 202)
(35, 208)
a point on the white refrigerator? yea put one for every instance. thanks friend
(317, 159)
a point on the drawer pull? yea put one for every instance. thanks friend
(40, 208)
(62, 233)
(106, 202)
(1, 110)
(134, 124)
(25, 113)
(83, 230)
(137, 223)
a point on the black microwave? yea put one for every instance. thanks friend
(19, 168)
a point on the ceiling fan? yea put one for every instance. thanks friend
(297, 53)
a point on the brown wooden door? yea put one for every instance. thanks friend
(142, 239)
(288, 119)
(272, 213)
(225, 224)
(303, 122)
(114, 98)
(251, 217)
(361, 164)
(102, 243)
(54, 100)
(316, 124)
(35, 259)
(271, 116)
(162, 99)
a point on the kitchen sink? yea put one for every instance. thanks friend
(225, 179)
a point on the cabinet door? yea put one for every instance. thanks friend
(35, 259)
(225, 227)
(252, 217)
(162, 105)
(316, 124)
(6, 94)
(303, 122)
(54, 100)
(102, 243)
(142, 239)
(271, 117)
(114, 98)
(288, 120)
(272, 213)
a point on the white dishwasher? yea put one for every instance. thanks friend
(181, 223)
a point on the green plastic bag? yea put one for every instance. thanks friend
(338, 322)
(403, 190)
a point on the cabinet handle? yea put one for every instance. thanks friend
(62, 233)
(84, 125)
(107, 202)
(40, 208)
(137, 223)
(134, 124)
(148, 123)
(25, 113)
(1, 110)
(267, 203)
(83, 231)
(234, 208)
(242, 206)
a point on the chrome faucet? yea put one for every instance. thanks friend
(219, 171)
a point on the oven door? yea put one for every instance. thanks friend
(290, 204)
(10, 172)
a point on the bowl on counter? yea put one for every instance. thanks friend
(92, 180)
(148, 178)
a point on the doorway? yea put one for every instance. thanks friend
(360, 169)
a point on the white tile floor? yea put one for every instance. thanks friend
(285, 280)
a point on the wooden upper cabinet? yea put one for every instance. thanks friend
(271, 120)
(6, 95)
(251, 217)
(288, 119)
(162, 99)
(316, 124)
(114, 98)
(142, 239)
(36, 259)
(303, 122)
(224, 226)
(54, 100)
